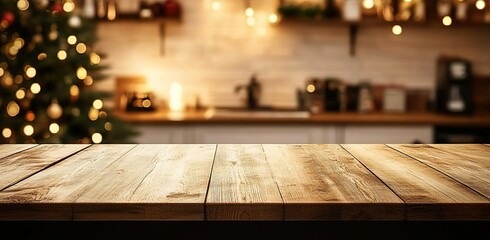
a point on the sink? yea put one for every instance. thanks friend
(261, 112)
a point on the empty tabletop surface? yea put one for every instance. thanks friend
(245, 182)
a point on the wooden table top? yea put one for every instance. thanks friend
(208, 117)
(245, 182)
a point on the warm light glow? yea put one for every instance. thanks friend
(261, 31)
(28, 130)
(20, 94)
(42, 56)
(69, 6)
(74, 91)
(93, 114)
(19, 79)
(13, 109)
(111, 10)
(108, 126)
(81, 48)
(81, 73)
(30, 72)
(54, 128)
(23, 5)
(19, 43)
(62, 55)
(368, 4)
(216, 5)
(146, 103)
(35, 88)
(397, 30)
(6, 132)
(72, 40)
(94, 58)
(97, 138)
(1, 72)
(408, 1)
(447, 21)
(30, 116)
(273, 18)
(98, 104)
(480, 4)
(175, 97)
(88, 81)
(310, 88)
(250, 21)
(249, 12)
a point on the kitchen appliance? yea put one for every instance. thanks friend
(454, 86)
(332, 94)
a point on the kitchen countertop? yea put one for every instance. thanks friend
(209, 117)
(244, 182)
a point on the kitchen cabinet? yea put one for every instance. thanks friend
(282, 134)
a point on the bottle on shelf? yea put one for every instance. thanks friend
(89, 9)
(101, 9)
(352, 10)
(331, 9)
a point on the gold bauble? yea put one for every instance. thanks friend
(54, 110)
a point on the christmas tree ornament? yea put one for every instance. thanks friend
(57, 7)
(13, 109)
(54, 110)
(8, 17)
(75, 21)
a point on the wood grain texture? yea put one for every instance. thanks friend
(17, 167)
(242, 186)
(159, 182)
(467, 163)
(105, 182)
(324, 182)
(428, 194)
(10, 149)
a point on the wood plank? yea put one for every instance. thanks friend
(242, 186)
(20, 166)
(11, 149)
(467, 163)
(118, 182)
(428, 194)
(151, 182)
(324, 182)
(49, 194)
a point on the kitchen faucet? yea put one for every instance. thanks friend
(253, 89)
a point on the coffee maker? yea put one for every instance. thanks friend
(454, 86)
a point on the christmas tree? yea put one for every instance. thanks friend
(47, 67)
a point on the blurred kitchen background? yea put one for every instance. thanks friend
(297, 71)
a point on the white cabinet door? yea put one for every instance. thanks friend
(263, 134)
(163, 134)
(387, 134)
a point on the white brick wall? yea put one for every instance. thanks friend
(211, 52)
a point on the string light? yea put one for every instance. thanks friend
(23, 5)
(30, 71)
(54, 128)
(368, 4)
(273, 18)
(310, 88)
(42, 56)
(13, 109)
(249, 12)
(71, 40)
(88, 81)
(94, 58)
(28, 130)
(81, 73)
(397, 30)
(74, 90)
(81, 48)
(447, 21)
(35, 88)
(1, 72)
(98, 104)
(69, 6)
(30, 116)
(93, 114)
(480, 4)
(19, 43)
(20, 94)
(6, 132)
(62, 55)
(18, 79)
(97, 138)
(216, 5)
(250, 21)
